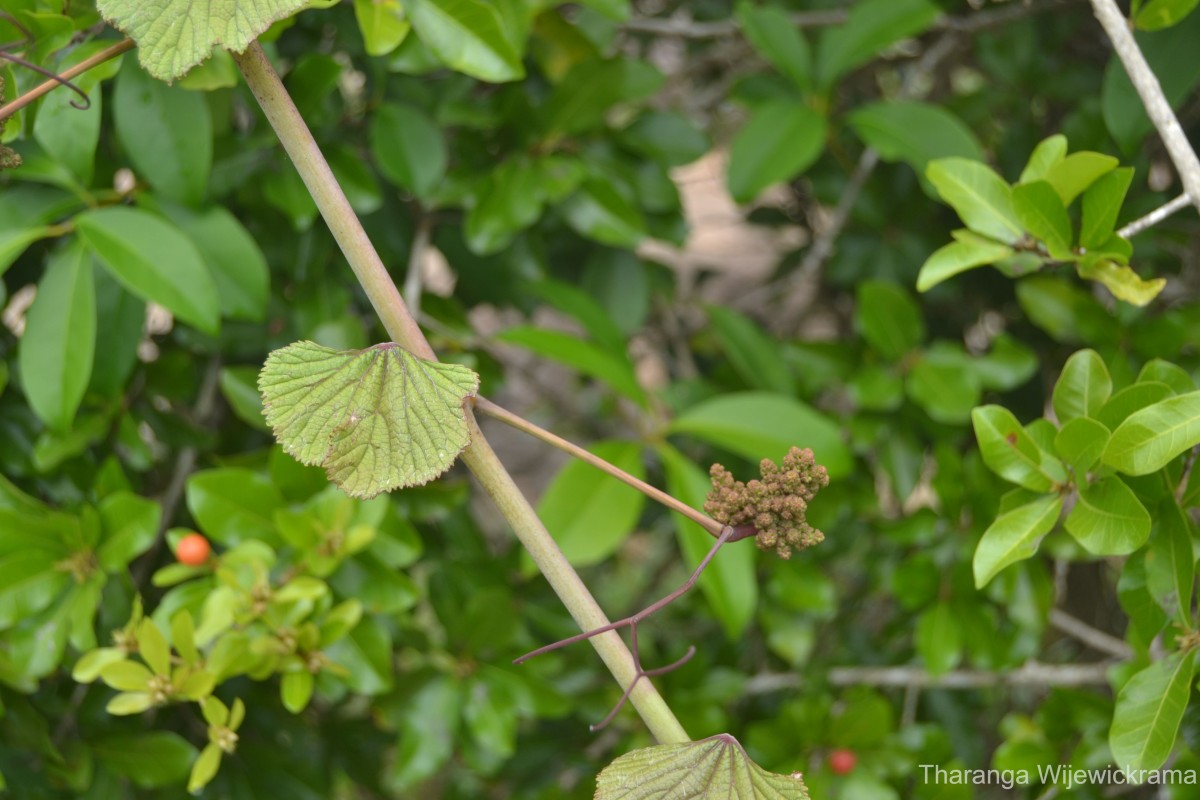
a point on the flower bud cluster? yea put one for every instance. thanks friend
(776, 505)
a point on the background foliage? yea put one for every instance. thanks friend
(532, 146)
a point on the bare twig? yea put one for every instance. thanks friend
(494, 411)
(8, 109)
(1154, 217)
(1096, 639)
(1151, 93)
(1032, 673)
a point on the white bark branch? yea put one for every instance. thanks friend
(1154, 217)
(1096, 639)
(1147, 86)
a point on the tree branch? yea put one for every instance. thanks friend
(1154, 217)
(1155, 102)
(8, 109)
(1096, 639)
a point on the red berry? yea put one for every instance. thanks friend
(193, 550)
(842, 761)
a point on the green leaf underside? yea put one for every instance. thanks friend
(175, 35)
(376, 419)
(711, 768)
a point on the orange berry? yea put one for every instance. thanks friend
(193, 550)
(842, 761)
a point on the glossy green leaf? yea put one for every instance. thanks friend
(939, 639)
(590, 513)
(510, 201)
(239, 386)
(1101, 205)
(587, 357)
(382, 23)
(1150, 438)
(666, 137)
(1042, 213)
(871, 26)
(233, 504)
(586, 93)
(728, 583)
(1014, 536)
(1173, 375)
(58, 346)
(970, 250)
(1158, 14)
(349, 413)
(755, 355)
(776, 39)
(781, 139)
(758, 425)
(1011, 453)
(296, 690)
(127, 676)
(129, 526)
(68, 134)
(155, 261)
(982, 199)
(1123, 282)
(1149, 709)
(599, 211)
(1108, 519)
(914, 132)
(234, 260)
(1075, 173)
(124, 316)
(1048, 152)
(15, 241)
(1171, 561)
(470, 36)
(150, 760)
(710, 769)
(166, 132)
(408, 148)
(888, 318)
(175, 35)
(1130, 400)
(366, 654)
(1082, 388)
(1080, 442)
(204, 769)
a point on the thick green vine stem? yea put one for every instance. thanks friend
(479, 457)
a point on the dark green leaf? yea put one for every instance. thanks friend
(234, 260)
(666, 137)
(591, 88)
(129, 525)
(1080, 443)
(888, 318)
(872, 26)
(589, 513)
(155, 261)
(588, 358)
(1048, 152)
(754, 355)
(779, 141)
(601, 212)
(166, 132)
(1158, 14)
(150, 760)
(777, 40)
(1171, 562)
(914, 132)
(408, 147)
(1011, 453)
(939, 639)
(758, 425)
(59, 342)
(233, 505)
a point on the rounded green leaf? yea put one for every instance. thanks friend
(408, 147)
(1108, 519)
(1080, 443)
(1149, 709)
(1011, 453)
(58, 346)
(166, 132)
(234, 260)
(470, 36)
(89, 666)
(1150, 438)
(128, 703)
(600, 211)
(715, 768)
(872, 25)
(969, 251)
(1041, 212)
(590, 513)
(129, 525)
(296, 690)
(155, 261)
(1101, 204)
(175, 35)
(1082, 388)
(758, 425)
(204, 769)
(781, 139)
(981, 197)
(1014, 536)
(888, 318)
(776, 39)
(939, 639)
(126, 676)
(375, 419)
(233, 504)
(150, 760)
(914, 132)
